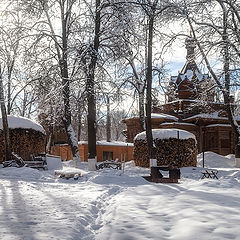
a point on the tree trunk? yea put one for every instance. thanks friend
(91, 117)
(9, 96)
(72, 140)
(226, 91)
(5, 122)
(141, 110)
(10, 69)
(79, 126)
(149, 89)
(226, 88)
(108, 121)
(49, 142)
(90, 87)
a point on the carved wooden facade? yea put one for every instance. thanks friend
(191, 102)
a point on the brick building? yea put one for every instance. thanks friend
(105, 151)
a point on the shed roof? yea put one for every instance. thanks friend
(15, 122)
(218, 125)
(104, 143)
(213, 115)
(156, 116)
(166, 134)
(111, 143)
(164, 116)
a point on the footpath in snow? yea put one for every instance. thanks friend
(110, 204)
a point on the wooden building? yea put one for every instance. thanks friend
(105, 151)
(27, 137)
(192, 107)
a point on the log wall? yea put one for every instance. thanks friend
(183, 152)
(24, 142)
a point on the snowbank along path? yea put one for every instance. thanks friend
(109, 204)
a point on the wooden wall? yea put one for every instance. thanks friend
(24, 142)
(182, 152)
(118, 152)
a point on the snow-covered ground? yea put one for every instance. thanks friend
(112, 204)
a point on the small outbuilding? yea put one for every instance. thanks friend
(171, 146)
(27, 137)
(105, 151)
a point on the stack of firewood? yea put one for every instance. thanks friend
(24, 142)
(172, 151)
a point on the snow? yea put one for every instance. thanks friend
(159, 115)
(112, 204)
(112, 143)
(216, 161)
(182, 76)
(53, 162)
(189, 75)
(21, 122)
(115, 143)
(166, 134)
(218, 125)
(178, 123)
(205, 115)
(163, 115)
(213, 115)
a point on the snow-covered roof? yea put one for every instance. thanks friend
(166, 134)
(174, 78)
(22, 122)
(112, 143)
(178, 123)
(206, 115)
(157, 115)
(218, 125)
(163, 115)
(183, 100)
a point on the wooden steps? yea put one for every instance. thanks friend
(37, 162)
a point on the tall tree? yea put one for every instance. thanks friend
(55, 23)
(152, 9)
(4, 121)
(219, 32)
(90, 74)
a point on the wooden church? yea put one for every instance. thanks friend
(192, 106)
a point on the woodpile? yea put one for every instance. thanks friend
(181, 152)
(24, 142)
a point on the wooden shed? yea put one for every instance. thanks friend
(27, 137)
(105, 151)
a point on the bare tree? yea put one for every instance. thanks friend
(5, 121)
(219, 32)
(55, 26)
(153, 10)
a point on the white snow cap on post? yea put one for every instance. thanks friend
(92, 164)
(237, 162)
(53, 162)
(166, 134)
(153, 163)
(22, 122)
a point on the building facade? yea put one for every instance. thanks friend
(192, 106)
(105, 151)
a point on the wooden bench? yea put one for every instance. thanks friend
(156, 175)
(37, 162)
(110, 164)
(209, 174)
